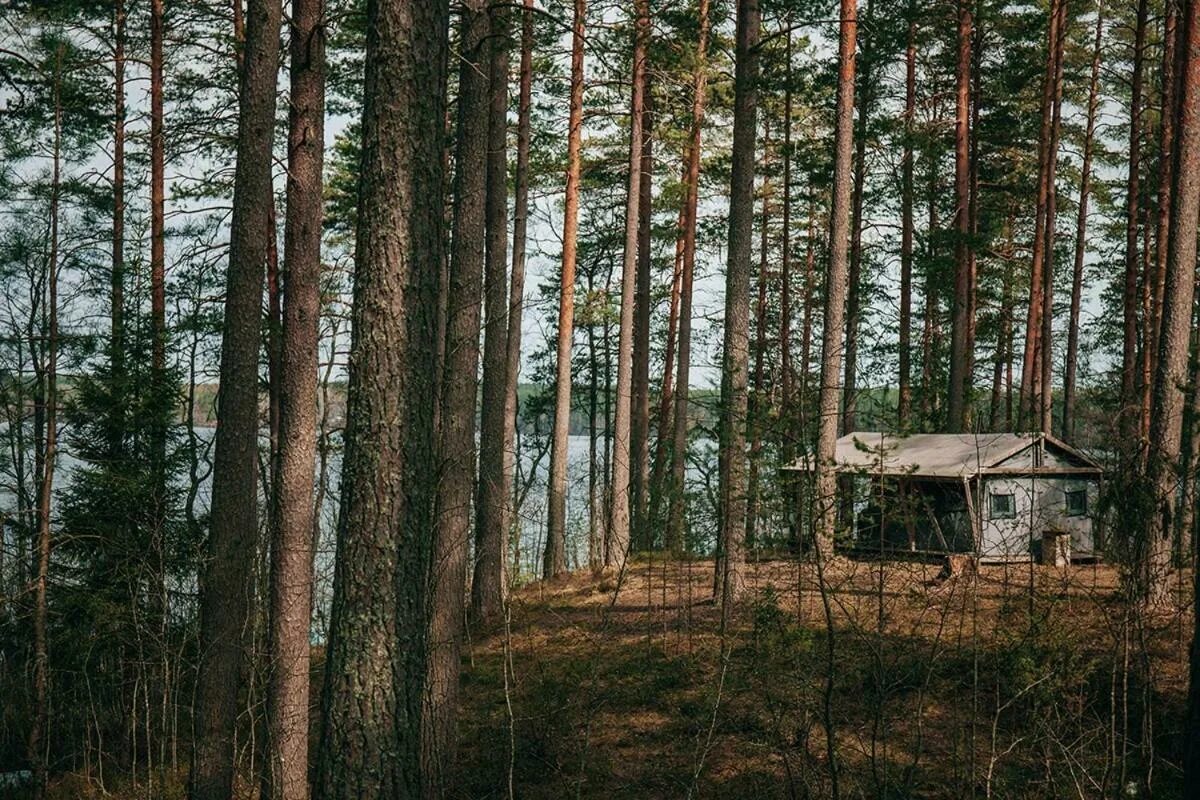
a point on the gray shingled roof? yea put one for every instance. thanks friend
(937, 455)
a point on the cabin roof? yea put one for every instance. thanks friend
(950, 455)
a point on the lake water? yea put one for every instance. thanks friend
(532, 520)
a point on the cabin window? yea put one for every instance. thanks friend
(1002, 506)
(1076, 502)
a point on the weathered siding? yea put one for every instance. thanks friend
(1040, 505)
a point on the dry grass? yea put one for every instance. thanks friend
(1020, 681)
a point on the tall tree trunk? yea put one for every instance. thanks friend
(930, 322)
(239, 31)
(617, 532)
(806, 324)
(735, 362)
(225, 597)
(790, 432)
(1067, 432)
(957, 412)
(292, 545)
(1130, 401)
(679, 436)
(1185, 552)
(1170, 377)
(1172, 32)
(1149, 341)
(516, 290)
(158, 302)
(460, 386)
(443, 287)
(39, 730)
(663, 427)
(853, 300)
(1002, 367)
(158, 323)
(157, 256)
(274, 344)
(555, 561)
(786, 383)
(606, 349)
(835, 285)
(757, 404)
(639, 447)
(904, 404)
(1030, 371)
(1045, 356)
(117, 293)
(973, 221)
(492, 510)
(376, 658)
(595, 454)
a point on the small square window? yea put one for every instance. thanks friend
(1003, 506)
(1076, 500)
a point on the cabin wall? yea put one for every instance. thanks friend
(1040, 504)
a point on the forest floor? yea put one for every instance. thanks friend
(1018, 681)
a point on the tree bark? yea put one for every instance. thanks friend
(930, 322)
(225, 600)
(1030, 371)
(735, 362)
(292, 545)
(376, 658)
(1045, 356)
(617, 532)
(790, 433)
(239, 31)
(443, 288)
(117, 293)
(904, 404)
(640, 434)
(676, 518)
(663, 424)
(1001, 411)
(639, 447)
(39, 730)
(973, 222)
(158, 318)
(273, 325)
(835, 285)
(1155, 269)
(1130, 401)
(1170, 378)
(492, 509)
(957, 411)
(758, 404)
(157, 255)
(596, 468)
(806, 324)
(1185, 551)
(460, 386)
(1067, 431)
(853, 300)
(555, 561)
(516, 291)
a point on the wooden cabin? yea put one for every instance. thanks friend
(999, 496)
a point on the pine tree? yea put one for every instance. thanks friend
(377, 653)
